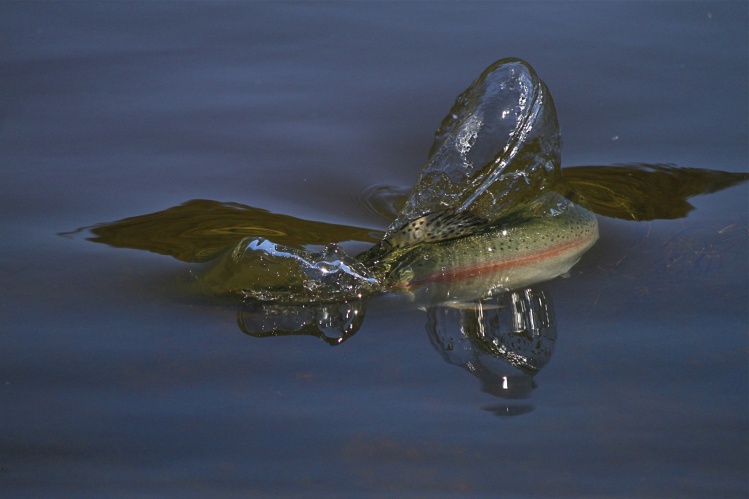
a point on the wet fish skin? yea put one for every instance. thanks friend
(498, 258)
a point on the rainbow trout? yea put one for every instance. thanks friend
(483, 217)
(505, 255)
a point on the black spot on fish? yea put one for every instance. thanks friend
(435, 227)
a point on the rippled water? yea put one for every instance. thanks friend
(114, 381)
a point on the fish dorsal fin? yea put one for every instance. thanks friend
(433, 227)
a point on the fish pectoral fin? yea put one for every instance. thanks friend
(433, 227)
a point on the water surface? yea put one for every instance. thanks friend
(115, 382)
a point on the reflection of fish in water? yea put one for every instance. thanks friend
(491, 210)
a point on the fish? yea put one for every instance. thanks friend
(514, 252)
(483, 216)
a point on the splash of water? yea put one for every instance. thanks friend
(498, 146)
(496, 149)
(263, 270)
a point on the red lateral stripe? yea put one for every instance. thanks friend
(462, 273)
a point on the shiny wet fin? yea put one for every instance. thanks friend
(430, 228)
(440, 226)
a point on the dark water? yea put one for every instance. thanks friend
(112, 382)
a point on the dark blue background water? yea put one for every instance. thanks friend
(112, 383)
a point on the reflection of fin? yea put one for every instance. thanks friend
(434, 227)
(642, 191)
